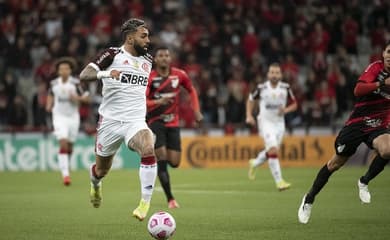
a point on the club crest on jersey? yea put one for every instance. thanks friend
(126, 62)
(175, 82)
(145, 67)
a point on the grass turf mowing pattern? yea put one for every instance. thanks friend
(215, 204)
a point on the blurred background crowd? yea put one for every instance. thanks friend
(224, 45)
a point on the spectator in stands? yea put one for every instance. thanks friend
(17, 113)
(39, 106)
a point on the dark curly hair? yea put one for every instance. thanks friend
(68, 60)
(130, 26)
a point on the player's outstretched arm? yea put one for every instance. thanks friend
(49, 103)
(195, 104)
(88, 74)
(363, 88)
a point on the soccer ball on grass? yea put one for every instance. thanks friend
(161, 225)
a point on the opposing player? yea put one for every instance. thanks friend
(124, 72)
(368, 123)
(275, 100)
(63, 101)
(163, 92)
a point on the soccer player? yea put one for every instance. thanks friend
(275, 100)
(163, 97)
(124, 72)
(63, 101)
(368, 123)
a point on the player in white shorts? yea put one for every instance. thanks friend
(124, 72)
(275, 100)
(63, 101)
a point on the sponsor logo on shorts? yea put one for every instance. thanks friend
(340, 148)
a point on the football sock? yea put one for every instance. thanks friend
(94, 178)
(63, 162)
(260, 159)
(163, 175)
(147, 176)
(376, 166)
(320, 181)
(274, 166)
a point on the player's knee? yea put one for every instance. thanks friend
(64, 149)
(147, 151)
(384, 153)
(272, 151)
(336, 163)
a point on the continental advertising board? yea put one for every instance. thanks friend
(39, 152)
(232, 151)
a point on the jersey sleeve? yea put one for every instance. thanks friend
(291, 97)
(104, 59)
(185, 81)
(371, 72)
(255, 94)
(51, 91)
(187, 84)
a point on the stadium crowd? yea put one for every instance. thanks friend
(224, 45)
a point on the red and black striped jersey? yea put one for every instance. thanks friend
(169, 86)
(372, 109)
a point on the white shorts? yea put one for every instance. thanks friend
(111, 134)
(271, 132)
(66, 127)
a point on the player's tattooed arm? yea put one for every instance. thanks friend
(88, 74)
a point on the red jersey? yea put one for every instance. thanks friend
(168, 87)
(372, 109)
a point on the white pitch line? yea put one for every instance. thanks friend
(198, 191)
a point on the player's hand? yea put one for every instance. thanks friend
(250, 120)
(281, 111)
(74, 97)
(115, 74)
(198, 117)
(383, 78)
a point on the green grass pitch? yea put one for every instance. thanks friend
(215, 204)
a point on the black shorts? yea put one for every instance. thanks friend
(166, 136)
(351, 136)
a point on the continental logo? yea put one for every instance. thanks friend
(208, 152)
(199, 152)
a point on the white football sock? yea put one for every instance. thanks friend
(147, 177)
(63, 164)
(274, 166)
(96, 182)
(260, 159)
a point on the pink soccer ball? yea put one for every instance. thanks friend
(161, 225)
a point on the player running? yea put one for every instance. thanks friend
(124, 72)
(163, 97)
(63, 101)
(275, 100)
(368, 123)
